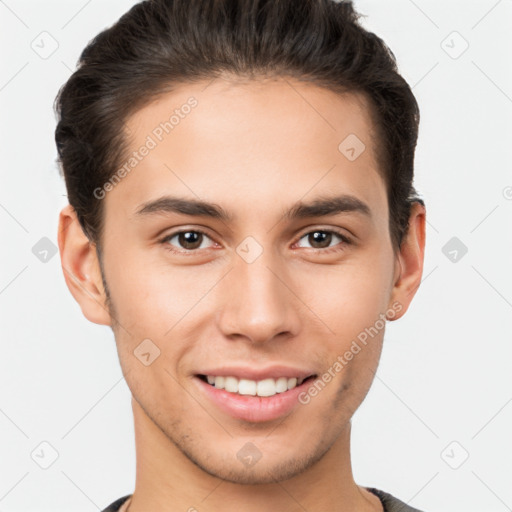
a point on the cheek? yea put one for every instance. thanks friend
(155, 387)
(151, 294)
(347, 298)
(164, 304)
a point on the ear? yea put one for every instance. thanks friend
(81, 268)
(409, 262)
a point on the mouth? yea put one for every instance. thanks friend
(247, 387)
(260, 399)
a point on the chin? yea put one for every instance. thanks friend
(262, 472)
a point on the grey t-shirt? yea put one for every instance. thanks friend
(389, 502)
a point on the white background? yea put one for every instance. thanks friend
(445, 369)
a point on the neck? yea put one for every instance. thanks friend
(168, 481)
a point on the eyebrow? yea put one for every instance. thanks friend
(324, 206)
(320, 207)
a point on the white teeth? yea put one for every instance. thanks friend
(247, 387)
(231, 384)
(265, 387)
(281, 384)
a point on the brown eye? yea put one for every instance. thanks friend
(186, 240)
(190, 239)
(319, 239)
(322, 239)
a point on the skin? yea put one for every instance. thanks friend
(254, 148)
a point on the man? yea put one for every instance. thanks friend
(242, 215)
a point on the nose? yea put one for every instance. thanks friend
(259, 302)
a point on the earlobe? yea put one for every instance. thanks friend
(80, 267)
(410, 259)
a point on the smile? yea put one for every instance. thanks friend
(254, 396)
(265, 387)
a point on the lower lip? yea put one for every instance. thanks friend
(250, 408)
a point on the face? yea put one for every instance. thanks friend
(265, 290)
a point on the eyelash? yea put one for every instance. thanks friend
(190, 252)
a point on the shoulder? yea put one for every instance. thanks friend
(390, 503)
(116, 505)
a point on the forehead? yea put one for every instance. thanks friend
(223, 107)
(252, 143)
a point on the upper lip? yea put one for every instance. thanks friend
(270, 372)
